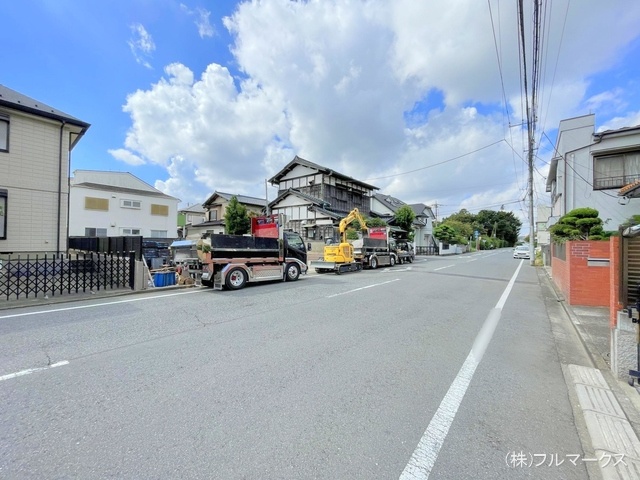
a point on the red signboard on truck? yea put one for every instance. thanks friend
(265, 227)
(379, 233)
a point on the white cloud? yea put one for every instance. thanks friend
(350, 85)
(205, 29)
(141, 45)
(126, 156)
(632, 119)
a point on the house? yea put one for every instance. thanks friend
(589, 168)
(314, 198)
(36, 141)
(386, 206)
(189, 217)
(215, 208)
(111, 204)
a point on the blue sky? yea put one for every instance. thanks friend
(193, 97)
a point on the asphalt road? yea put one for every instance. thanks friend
(446, 368)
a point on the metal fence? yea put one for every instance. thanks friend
(59, 274)
(427, 250)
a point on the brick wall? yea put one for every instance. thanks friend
(584, 284)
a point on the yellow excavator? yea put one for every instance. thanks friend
(339, 258)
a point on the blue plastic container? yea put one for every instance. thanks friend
(159, 279)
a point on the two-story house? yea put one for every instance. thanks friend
(386, 206)
(215, 208)
(36, 141)
(188, 217)
(314, 198)
(589, 168)
(112, 204)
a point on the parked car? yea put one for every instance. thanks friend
(521, 251)
(404, 250)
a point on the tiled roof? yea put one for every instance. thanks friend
(327, 171)
(630, 190)
(12, 99)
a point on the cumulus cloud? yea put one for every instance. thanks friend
(376, 90)
(141, 45)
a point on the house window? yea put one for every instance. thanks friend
(95, 232)
(616, 171)
(4, 133)
(93, 203)
(131, 204)
(158, 234)
(160, 210)
(3, 213)
(130, 231)
(213, 215)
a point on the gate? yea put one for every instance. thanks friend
(60, 274)
(629, 270)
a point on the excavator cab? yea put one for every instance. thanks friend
(338, 253)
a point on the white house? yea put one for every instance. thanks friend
(314, 198)
(590, 168)
(108, 204)
(35, 151)
(386, 206)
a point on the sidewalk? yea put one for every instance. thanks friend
(610, 406)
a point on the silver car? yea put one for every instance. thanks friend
(521, 251)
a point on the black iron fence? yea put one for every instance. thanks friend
(109, 245)
(427, 250)
(59, 274)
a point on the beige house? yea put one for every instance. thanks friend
(35, 147)
(215, 208)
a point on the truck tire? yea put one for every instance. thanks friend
(410, 260)
(292, 272)
(236, 279)
(392, 261)
(373, 262)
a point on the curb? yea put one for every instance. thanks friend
(615, 444)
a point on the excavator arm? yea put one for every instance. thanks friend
(344, 223)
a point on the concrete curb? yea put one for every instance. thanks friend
(616, 447)
(615, 443)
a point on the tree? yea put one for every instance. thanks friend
(404, 219)
(578, 224)
(445, 233)
(236, 219)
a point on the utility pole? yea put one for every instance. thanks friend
(530, 194)
(266, 194)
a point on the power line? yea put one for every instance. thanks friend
(436, 164)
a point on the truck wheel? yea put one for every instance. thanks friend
(373, 262)
(292, 272)
(410, 260)
(236, 279)
(392, 261)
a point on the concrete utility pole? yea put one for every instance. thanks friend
(532, 232)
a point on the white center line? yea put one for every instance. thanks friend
(363, 288)
(32, 370)
(426, 453)
(442, 268)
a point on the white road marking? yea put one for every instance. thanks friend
(32, 370)
(79, 307)
(363, 288)
(442, 268)
(426, 453)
